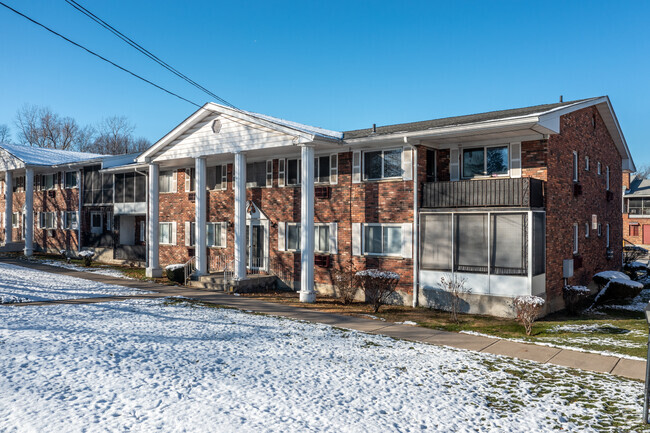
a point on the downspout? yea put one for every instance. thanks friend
(416, 243)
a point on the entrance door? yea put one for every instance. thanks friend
(256, 244)
(646, 234)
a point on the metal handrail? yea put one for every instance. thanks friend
(188, 268)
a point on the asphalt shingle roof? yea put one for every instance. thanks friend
(639, 188)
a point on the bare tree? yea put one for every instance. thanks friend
(643, 172)
(5, 134)
(115, 137)
(40, 127)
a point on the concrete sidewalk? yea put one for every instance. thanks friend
(623, 367)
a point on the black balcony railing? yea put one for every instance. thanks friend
(505, 192)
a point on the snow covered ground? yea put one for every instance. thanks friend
(18, 284)
(145, 365)
(100, 271)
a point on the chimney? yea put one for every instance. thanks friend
(561, 98)
(374, 128)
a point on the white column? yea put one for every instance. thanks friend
(201, 203)
(153, 265)
(307, 293)
(9, 206)
(240, 216)
(29, 211)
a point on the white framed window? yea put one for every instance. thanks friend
(586, 230)
(96, 222)
(47, 220)
(217, 177)
(325, 237)
(575, 166)
(70, 221)
(167, 181)
(575, 239)
(607, 235)
(48, 181)
(15, 220)
(322, 238)
(485, 161)
(167, 233)
(293, 171)
(215, 234)
(382, 239)
(269, 173)
(586, 163)
(607, 177)
(599, 166)
(143, 231)
(382, 164)
(71, 179)
(292, 236)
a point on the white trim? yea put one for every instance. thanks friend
(334, 168)
(382, 225)
(515, 159)
(281, 171)
(356, 239)
(575, 169)
(485, 148)
(586, 230)
(172, 233)
(407, 163)
(575, 239)
(383, 165)
(269, 173)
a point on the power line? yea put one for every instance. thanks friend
(97, 55)
(144, 51)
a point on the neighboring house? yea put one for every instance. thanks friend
(501, 199)
(636, 210)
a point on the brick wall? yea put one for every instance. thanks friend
(563, 209)
(367, 202)
(534, 159)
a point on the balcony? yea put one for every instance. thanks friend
(523, 192)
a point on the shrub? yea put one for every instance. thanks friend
(378, 286)
(615, 286)
(527, 308)
(632, 253)
(87, 257)
(455, 286)
(176, 273)
(575, 298)
(346, 283)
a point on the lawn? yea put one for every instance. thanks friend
(144, 365)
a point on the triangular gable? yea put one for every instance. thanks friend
(237, 131)
(9, 161)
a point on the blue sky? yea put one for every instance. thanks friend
(335, 64)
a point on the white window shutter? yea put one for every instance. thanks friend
(39, 222)
(174, 233)
(224, 234)
(281, 172)
(407, 163)
(333, 238)
(356, 167)
(188, 229)
(407, 240)
(334, 169)
(454, 165)
(224, 176)
(61, 179)
(515, 159)
(281, 242)
(356, 239)
(76, 225)
(188, 185)
(63, 220)
(174, 187)
(269, 173)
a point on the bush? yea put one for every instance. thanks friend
(346, 283)
(527, 308)
(455, 286)
(615, 286)
(575, 298)
(176, 273)
(87, 257)
(378, 286)
(632, 253)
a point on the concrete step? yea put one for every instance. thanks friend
(12, 247)
(217, 287)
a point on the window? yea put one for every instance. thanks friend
(256, 174)
(586, 163)
(382, 239)
(19, 184)
(539, 243)
(213, 234)
(15, 220)
(575, 239)
(293, 171)
(634, 229)
(471, 253)
(167, 181)
(485, 161)
(599, 171)
(508, 245)
(70, 220)
(382, 164)
(607, 177)
(48, 181)
(167, 235)
(71, 179)
(217, 177)
(322, 168)
(96, 222)
(600, 229)
(436, 246)
(293, 236)
(575, 166)
(586, 230)
(47, 220)
(607, 235)
(322, 238)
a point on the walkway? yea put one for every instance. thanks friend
(623, 367)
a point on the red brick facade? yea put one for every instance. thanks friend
(633, 225)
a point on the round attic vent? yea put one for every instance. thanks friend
(216, 126)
